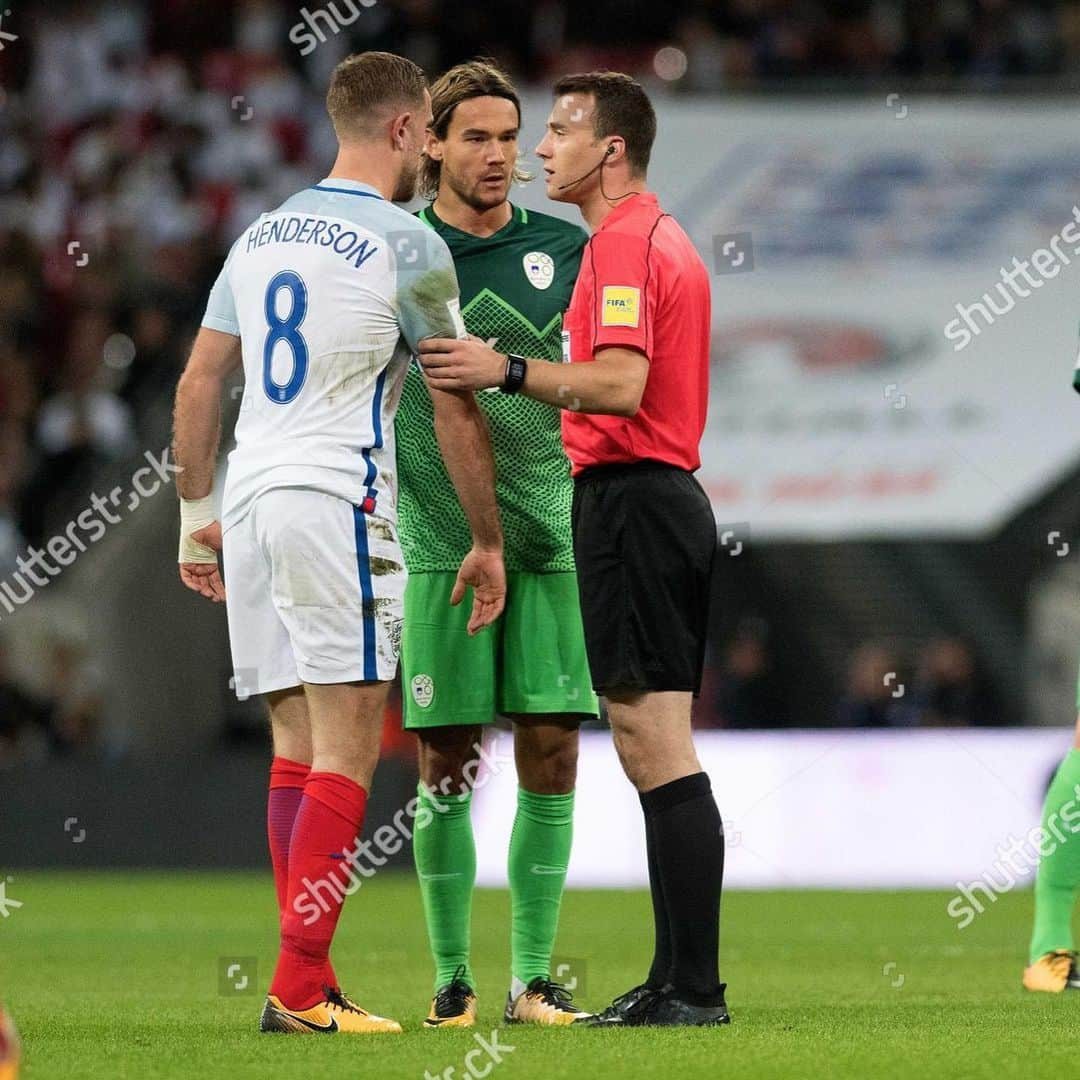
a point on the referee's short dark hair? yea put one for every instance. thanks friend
(622, 108)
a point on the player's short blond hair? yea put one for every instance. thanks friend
(366, 86)
(473, 79)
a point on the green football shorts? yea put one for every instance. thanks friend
(531, 661)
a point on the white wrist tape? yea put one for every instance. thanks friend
(196, 514)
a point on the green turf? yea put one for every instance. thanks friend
(117, 976)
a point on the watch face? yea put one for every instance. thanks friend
(515, 373)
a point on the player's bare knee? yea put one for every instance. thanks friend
(634, 738)
(444, 753)
(561, 767)
(360, 769)
(553, 771)
(290, 724)
(546, 753)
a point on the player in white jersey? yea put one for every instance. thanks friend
(324, 301)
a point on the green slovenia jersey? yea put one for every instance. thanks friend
(515, 286)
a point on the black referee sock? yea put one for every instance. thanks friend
(687, 836)
(660, 972)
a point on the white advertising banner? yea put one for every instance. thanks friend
(802, 809)
(895, 307)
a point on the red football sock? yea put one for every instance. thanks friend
(287, 779)
(330, 817)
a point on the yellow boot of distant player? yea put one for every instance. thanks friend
(337, 1014)
(1053, 973)
(9, 1049)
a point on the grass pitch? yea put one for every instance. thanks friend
(118, 976)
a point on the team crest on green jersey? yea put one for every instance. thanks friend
(539, 269)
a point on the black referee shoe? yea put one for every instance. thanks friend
(622, 1012)
(668, 1010)
(646, 1007)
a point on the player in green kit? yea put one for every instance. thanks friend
(1053, 950)
(1052, 954)
(516, 270)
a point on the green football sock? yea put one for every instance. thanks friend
(445, 854)
(1059, 872)
(539, 854)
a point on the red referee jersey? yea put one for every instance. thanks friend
(642, 286)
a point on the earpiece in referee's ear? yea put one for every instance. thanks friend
(610, 149)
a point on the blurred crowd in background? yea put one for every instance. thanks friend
(131, 155)
(940, 684)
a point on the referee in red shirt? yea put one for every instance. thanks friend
(636, 339)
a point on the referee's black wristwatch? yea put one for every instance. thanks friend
(514, 378)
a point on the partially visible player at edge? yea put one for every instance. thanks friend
(517, 272)
(9, 1048)
(324, 314)
(1052, 966)
(634, 398)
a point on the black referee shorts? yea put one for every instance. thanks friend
(645, 542)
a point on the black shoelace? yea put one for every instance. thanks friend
(553, 993)
(451, 999)
(336, 998)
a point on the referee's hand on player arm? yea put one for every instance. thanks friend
(197, 432)
(613, 382)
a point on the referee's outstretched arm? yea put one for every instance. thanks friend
(613, 382)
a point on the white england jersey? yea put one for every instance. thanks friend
(329, 295)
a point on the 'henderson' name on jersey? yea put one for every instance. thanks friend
(311, 230)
